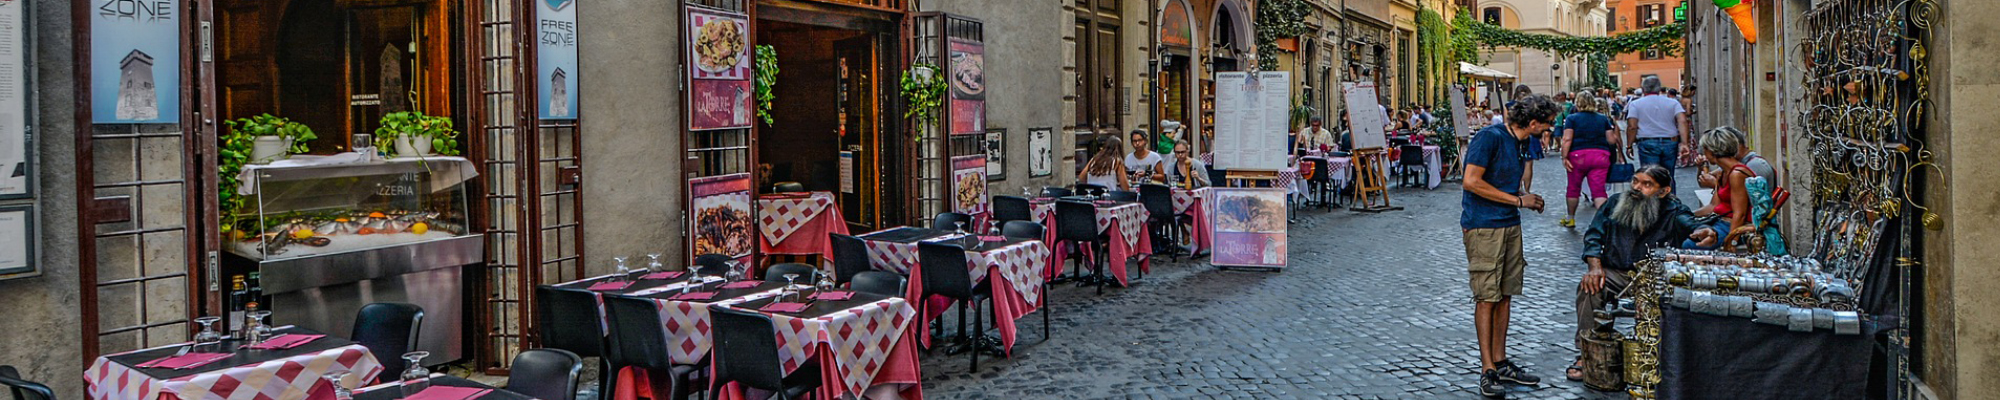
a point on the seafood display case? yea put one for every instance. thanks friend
(320, 236)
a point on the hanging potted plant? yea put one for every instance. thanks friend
(272, 138)
(923, 93)
(766, 78)
(411, 133)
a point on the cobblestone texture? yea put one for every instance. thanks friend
(1373, 306)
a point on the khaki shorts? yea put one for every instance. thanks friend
(1494, 259)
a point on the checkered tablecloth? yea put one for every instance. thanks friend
(689, 333)
(289, 378)
(1340, 170)
(1190, 202)
(780, 215)
(859, 340)
(1126, 221)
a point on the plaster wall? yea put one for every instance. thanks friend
(632, 182)
(43, 334)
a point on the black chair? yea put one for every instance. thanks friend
(949, 221)
(746, 352)
(1085, 189)
(850, 257)
(1217, 177)
(389, 330)
(712, 264)
(1029, 230)
(777, 273)
(1011, 208)
(568, 320)
(788, 187)
(1412, 164)
(546, 374)
(946, 273)
(880, 282)
(1319, 189)
(1057, 192)
(24, 389)
(1167, 225)
(1120, 195)
(1076, 226)
(637, 340)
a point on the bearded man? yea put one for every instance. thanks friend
(1626, 226)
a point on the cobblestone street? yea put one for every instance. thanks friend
(1373, 306)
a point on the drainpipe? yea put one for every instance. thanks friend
(1153, 70)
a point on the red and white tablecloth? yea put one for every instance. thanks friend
(794, 223)
(1015, 273)
(690, 335)
(291, 378)
(1434, 161)
(861, 351)
(1125, 221)
(1189, 202)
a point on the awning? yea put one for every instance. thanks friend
(1475, 70)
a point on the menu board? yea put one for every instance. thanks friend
(1251, 119)
(1248, 226)
(721, 216)
(719, 69)
(1458, 117)
(1364, 115)
(14, 109)
(968, 184)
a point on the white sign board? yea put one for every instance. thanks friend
(1364, 115)
(1458, 117)
(13, 100)
(1251, 120)
(847, 172)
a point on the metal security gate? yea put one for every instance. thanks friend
(932, 37)
(532, 170)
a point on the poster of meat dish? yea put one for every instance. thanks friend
(1249, 226)
(718, 70)
(968, 184)
(721, 215)
(968, 87)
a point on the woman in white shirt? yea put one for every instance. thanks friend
(1105, 167)
(1142, 162)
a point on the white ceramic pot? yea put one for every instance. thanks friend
(413, 145)
(266, 149)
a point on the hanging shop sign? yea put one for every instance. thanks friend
(718, 69)
(1251, 118)
(968, 87)
(1174, 27)
(135, 61)
(996, 154)
(1041, 156)
(555, 59)
(1248, 226)
(968, 184)
(14, 107)
(722, 221)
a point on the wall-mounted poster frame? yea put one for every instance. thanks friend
(996, 154)
(967, 74)
(19, 242)
(17, 107)
(1041, 152)
(723, 223)
(135, 61)
(718, 86)
(556, 75)
(968, 184)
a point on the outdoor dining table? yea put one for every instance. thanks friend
(245, 374)
(1123, 221)
(1013, 268)
(453, 385)
(798, 223)
(1189, 202)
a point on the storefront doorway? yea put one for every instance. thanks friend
(827, 117)
(335, 65)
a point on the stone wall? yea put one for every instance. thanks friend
(631, 139)
(42, 311)
(1961, 321)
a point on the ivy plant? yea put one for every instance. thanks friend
(924, 96)
(1278, 19)
(231, 155)
(766, 66)
(1665, 38)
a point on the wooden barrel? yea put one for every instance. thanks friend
(1603, 363)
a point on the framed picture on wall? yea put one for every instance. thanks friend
(996, 154)
(17, 242)
(1041, 159)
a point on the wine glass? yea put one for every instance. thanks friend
(789, 278)
(624, 273)
(259, 331)
(340, 390)
(208, 335)
(961, 227)
(825, 283)
(653, 263)
(416, 378)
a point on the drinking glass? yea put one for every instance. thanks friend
(961, 227)
(259, 331)
(825, 283)
(208, 335)
(788, 284)
(624, 273)
(653, 263)
(340, 391)
(416, 378)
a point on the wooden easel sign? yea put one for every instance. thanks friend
(1364, 114)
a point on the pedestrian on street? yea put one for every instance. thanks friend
(1645, 216)
(1495, 191)
(1106, 166)
(1588, 140)
(1662, 125)
(1535, 139)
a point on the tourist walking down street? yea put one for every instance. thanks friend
(1645, 216)
(1491, 224)
(1661, 123)
(1587, 147)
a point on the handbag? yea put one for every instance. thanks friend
(1620, 173)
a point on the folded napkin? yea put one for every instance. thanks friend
(837, 295)
(663, 275)
(992, 238)
(693, 296)
(448, 393)
(603, 286)
(783, 307)
(285, 341)
(1104, 202)
(185, 361)
(741, 284)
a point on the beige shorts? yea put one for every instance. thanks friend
(1494, 260)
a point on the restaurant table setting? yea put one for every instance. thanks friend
(441, 387)
(1017, 266)
(1190, 202)
(287, 365)
(798, 223)
(1124, 221)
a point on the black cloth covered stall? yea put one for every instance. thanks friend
(1710, 357)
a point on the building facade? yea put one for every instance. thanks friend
(1632, 15)
(1542, 71)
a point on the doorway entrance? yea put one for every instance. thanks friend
(828, 119)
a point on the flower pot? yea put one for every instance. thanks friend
(413, 145)
(266, 149)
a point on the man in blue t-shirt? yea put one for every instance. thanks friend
(1495, 165)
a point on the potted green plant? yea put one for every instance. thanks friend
(411, 133)
(273, 138)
